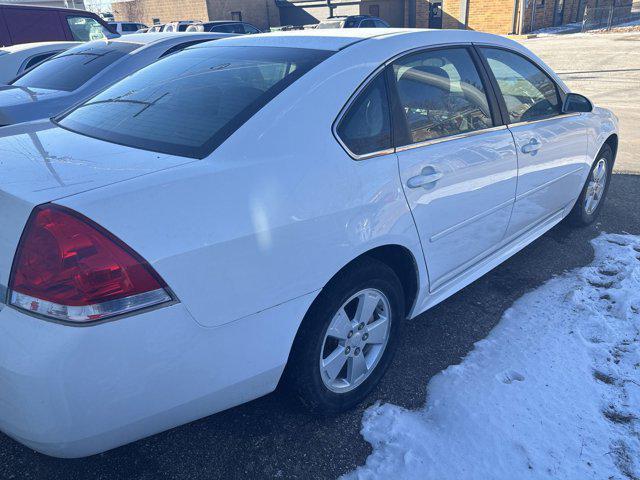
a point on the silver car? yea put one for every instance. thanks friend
(79, 73)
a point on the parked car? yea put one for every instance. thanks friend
(142, 30)
(29, 24)
(353, 21)
(18, 58)
(180, 26)
(224, 26)
(184, 242)
(126, 28)
(68, 78)
(156, 28)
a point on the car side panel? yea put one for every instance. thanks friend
(272, 214)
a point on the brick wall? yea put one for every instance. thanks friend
(261, 13)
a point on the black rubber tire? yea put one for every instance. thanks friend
(302, 375)
(578, 216)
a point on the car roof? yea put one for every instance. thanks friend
(38, 46)
(339, 38)
(219, 22)
(165, 37)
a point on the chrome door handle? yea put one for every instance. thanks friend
(423, 179)
(531, 147)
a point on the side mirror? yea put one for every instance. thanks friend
(575, 103)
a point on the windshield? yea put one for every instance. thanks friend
(190, 102)
(70, 70)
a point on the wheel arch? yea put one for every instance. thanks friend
(401, 260)
(612, 141)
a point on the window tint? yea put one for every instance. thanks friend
(367, 24)
(129, 27)
(250, 29)
(183, 27)
(366, 127)
(441, 94)
(85, 29)
(528, 92)
(190, 102)
(380, 24)
(71, 69)
(37, 59)
(228, 28)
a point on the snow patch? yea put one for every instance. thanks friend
(552, 393)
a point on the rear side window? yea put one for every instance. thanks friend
(85, 29)
(130, 27)
(73, 68)
(528, 92)
(441, 94)
(228, 28)
(366, 127)
(250, 29)
(190, 102)
(37, 59)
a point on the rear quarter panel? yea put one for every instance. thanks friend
(272, 214)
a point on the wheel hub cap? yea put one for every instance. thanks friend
(596, 186)
(355, 340)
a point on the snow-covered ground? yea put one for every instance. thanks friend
(552, 393)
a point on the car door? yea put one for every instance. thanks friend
(457, 163)
(552, 146)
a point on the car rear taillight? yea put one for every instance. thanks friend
(70, 268)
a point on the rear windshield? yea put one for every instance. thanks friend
(72, 69)
(190, 102)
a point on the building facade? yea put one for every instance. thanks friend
(264, 14)
(493, 16)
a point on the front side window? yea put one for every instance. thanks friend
(190, 102)
(85, 29)
(528, 92)
(441, 94)
(70, 70)
(366, 127)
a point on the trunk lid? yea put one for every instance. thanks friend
(40, 162)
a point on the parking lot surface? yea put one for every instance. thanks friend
(606, 68)
(273, 437)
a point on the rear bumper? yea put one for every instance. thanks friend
(75, 391)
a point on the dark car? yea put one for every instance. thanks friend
(27, 24)
(354, 21)
(224, 26)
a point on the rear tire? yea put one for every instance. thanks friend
(335, 338)
(594, 192)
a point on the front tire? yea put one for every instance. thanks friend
(347, 339)
(591, 199)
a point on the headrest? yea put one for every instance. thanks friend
(429, 75)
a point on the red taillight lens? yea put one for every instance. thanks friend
(69, 268)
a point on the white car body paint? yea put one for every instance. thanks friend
(16, 59)
(246, 238)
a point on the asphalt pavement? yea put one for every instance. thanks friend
(273, 437)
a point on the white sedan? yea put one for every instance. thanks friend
(19, 58)
(270, 209)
